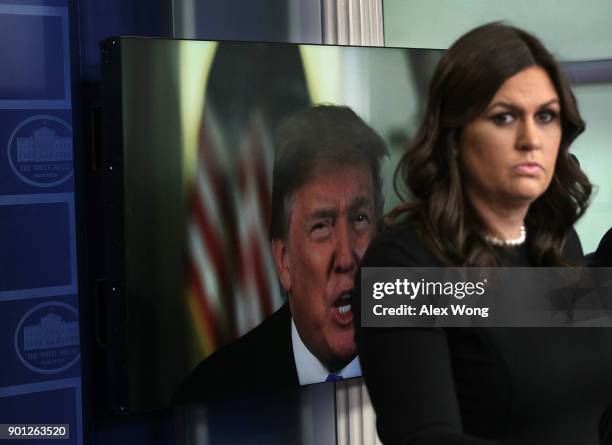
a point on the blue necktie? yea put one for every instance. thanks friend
(333, 377)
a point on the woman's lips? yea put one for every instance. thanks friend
(528, 168)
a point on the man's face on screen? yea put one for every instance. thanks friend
(331, 223)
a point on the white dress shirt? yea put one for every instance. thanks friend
(310, 369)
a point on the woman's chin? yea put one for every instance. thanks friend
(526, 193)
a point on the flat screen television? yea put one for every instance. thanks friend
(185, 180)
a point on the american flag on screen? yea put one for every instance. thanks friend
(233, 284)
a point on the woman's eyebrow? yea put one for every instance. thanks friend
(514, 107)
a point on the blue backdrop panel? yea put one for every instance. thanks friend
(50, 402)
(62, 3)
(36, 153)
(34, 50)
(38, 245)
(39, 324)
(39, 339)
(26, 75)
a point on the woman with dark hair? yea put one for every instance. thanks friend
(494, 185)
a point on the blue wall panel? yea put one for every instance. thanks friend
(35, 49)
(40, 340)
(57, 401)
(36, 152)
(36, 243)
(40, 376)
(25, 75)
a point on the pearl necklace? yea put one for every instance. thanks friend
(508, 242)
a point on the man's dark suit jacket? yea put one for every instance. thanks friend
(258, 361)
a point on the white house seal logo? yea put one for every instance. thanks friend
(40, 151)
(47, 338)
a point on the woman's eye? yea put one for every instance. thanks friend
(503, 118)
(546, 116)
